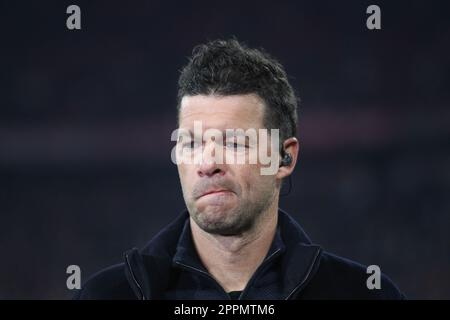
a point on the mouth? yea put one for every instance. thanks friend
(215, 192)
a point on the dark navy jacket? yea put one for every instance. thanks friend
(294, 268)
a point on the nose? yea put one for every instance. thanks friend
(208, 166)
(209, 171)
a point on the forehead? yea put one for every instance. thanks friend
(222, 112)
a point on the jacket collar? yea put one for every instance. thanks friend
(186, 253)
(148, 273)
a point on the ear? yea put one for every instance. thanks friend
(291, 146)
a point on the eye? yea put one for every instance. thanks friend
(191, 144)
(235, 145)
(231, 145)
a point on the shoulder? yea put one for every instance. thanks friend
(109, 283)
(341, 278)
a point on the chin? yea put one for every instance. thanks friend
(214, 215)
(219, 221)
(215, 210)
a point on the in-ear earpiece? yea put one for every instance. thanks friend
(287, 160)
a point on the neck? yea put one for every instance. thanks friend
(232, 260)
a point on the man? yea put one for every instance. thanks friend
(233, 242)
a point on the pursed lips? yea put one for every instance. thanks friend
(214, 191)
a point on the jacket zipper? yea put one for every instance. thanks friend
(218, 285)
(134, 278)
(204, 274)
(306, 277)
(252, 279)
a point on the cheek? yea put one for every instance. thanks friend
(183, 172)
(250, 178)
(261, 183)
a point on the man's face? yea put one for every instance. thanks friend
(224, 198)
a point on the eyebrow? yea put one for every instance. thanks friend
(227, 133)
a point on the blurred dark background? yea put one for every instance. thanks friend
(86, 118)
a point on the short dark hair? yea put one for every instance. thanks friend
(227, 67)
